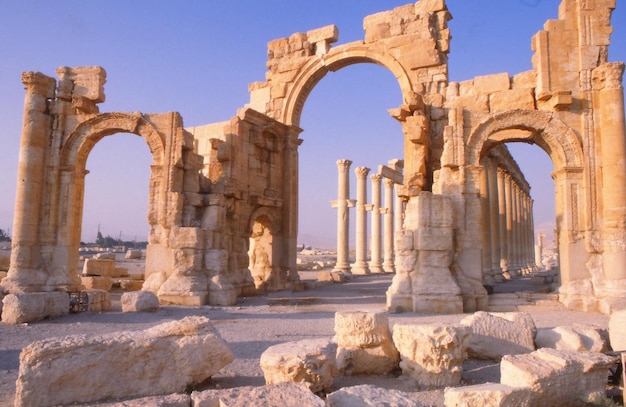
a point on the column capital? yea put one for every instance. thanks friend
(40, 84)
(344, 165)
(388, 182)
(361, 172)
(608, 76)
(376, 177)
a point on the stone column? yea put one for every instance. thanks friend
(27, 273)
(398, 217)
(494, 219)
(360, 264)
(484, 224)
(609, 99)
(502, 221)
(541, 238)
(376, 265)
(388, 221)
(343, 215)
(509, 223)
(515, 247)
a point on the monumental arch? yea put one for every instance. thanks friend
(223, 197)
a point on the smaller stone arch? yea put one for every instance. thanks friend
(529, 126)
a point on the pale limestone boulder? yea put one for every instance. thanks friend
(364, 343)
(131, 285)
(104, 256)
(140, 301)
(97, 282)
(29, 307)
(557, 378)
(577, 338)
(171, 400)
(497, 334)
(487, 394)
(370, 396)
(432, 354)
(273, 395)
(164, 359)
(309, 361)
(133, 254)
(617, 331)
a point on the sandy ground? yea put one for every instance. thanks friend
(259, 322)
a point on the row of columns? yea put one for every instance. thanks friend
(508, 231)
(381, 261)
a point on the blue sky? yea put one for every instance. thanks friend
(197, 57)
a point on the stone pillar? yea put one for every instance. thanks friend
(541, 238)
(494, 219)
(343, 215)
(502, 221)
(609, 99)
(376, 265)
(27, 273)
(484, 224)
(515, 246)
(398, 214)
(360, 264)
(509, 223)
(389, 230)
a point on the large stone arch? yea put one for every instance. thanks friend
(336, 59)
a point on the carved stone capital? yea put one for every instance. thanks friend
(343, 165)
(361, 172)
(608, 76)
(39, 84)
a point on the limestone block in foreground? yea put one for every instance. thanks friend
(497, 334)
(432, 354)
(164, 359)
(368, 395)
(577, 338)
(364, 343)
(617, 331)
(273, 395)
(487, 394)
(309, 361)
(139, 301)
(29, 307)
(557, 378)
(171, 400)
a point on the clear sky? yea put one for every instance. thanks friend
(197, 57)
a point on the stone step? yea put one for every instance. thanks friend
(522, 301)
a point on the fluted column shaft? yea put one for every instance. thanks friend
(360, 265)
(388, 265)
(343, 215)
(376, 265)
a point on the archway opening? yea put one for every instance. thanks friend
(115, 205)
(343, 119)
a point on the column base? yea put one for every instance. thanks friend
(360, 268)
(376, 268)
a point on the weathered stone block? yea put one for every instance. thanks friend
(99, 300)
(97, 282)
(133, 254)
(497, 334)
(29, 307)
(434, 238)
(103, 268)
(273, 395)
(140, 301)
(368, 395)
(512, 99)
(171, 400)
(164, 359)
(492, 83)
(576, 338)
(309, 361)
(364, 343)
(557, 378)
(184, 290)
(186, 238)
(432, 354)
(487, 394)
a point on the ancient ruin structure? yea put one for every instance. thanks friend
(223, 197)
